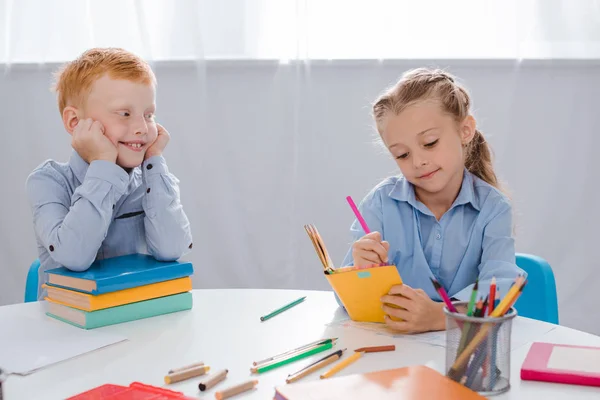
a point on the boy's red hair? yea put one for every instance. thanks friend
(74, 80)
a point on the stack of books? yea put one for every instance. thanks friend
(119, 289)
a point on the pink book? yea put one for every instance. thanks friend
(562, 363)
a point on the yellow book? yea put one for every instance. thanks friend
(88, 302)
(360, 290)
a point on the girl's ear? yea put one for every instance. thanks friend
(468, 127)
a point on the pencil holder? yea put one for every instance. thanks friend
(478, 350)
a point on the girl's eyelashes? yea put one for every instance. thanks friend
(431, 144)
(402, 156)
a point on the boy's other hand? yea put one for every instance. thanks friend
(91, 144)
(159, 144)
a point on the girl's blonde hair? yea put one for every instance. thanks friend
(434, 84)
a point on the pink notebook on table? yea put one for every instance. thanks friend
(562, 363)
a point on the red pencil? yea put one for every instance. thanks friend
(492, 297)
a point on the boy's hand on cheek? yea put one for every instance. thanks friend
(412, 310)
(91, 144)
(159, 144)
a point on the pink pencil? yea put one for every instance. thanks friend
(359, 217)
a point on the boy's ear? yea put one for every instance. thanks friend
(467, 129)
(70, 117)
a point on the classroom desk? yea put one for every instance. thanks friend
(223, 330)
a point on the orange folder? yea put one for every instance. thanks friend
(360, 290)
(409, 383)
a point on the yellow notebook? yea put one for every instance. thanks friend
(88, 302)
(360, 290)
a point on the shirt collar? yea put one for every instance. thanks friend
(403, 190)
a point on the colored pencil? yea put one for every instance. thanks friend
(376, 349)
(234, 390)
(341, 365)
(492, 295)
(444, 295)
(296, 350)
(211, 381)
(282, 309)
(295, 357)
(359, 217)
(309, 369)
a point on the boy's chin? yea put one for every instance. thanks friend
(130, 162)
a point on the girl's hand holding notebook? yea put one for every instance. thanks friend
(370, 249)
(411, 311)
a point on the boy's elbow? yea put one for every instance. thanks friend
(171, 253)
(171, 250)
(73, 260)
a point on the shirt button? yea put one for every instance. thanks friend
(148, 190)
(149, 166)
(191, 245)
(438, 236)
(51, 248)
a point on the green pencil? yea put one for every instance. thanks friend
(297, 357)
(473, 297)
(282, 309)
(467, 327)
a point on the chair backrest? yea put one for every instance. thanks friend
(538, 300)
(31, 285)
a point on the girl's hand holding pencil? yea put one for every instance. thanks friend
(370, 249)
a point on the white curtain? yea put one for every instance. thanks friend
(38, 31)
(268, 102)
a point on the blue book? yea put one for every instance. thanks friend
(120, 314)
(119, 273)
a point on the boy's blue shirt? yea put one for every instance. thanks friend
(83, 212)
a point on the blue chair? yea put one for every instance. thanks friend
(538, 300)
(31, 285)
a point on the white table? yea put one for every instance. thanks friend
(223, 330)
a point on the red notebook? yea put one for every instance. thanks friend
(562, 363)
(135, 391)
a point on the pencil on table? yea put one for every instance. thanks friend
(376, 349)
(292, 358)
(296, 350)
(212, 380)
(309, 369)
(282, 309)
(199, 364)
(186, 374)
(237, 389)
(341, 365)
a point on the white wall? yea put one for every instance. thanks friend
(262, 149)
